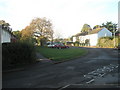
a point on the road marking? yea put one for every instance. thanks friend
(92, 80)
(100, 72)
(64, 87)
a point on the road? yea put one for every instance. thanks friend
(72, 73)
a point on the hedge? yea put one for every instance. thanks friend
(108, 42)
(18, 53)
(76, 43)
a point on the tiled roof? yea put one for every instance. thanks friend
(8, 29)
(90, 32)
(95, 30)
(81, 34)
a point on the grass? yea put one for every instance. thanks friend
(61, 54)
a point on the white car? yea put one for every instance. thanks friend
(51, 45)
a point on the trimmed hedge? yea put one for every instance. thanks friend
(18, 53)
(107, 42)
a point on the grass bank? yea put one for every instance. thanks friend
(61, 54)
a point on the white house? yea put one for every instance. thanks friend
(5, 34)
(94, 35)
(74, 39)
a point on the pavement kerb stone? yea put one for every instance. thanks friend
(13, 70)
(57, 62)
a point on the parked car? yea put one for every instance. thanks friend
(57, 45)
(51, 45)
(60, 46)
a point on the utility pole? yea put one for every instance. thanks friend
(114, 35)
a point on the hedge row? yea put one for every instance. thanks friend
(81, 44)
(17, 54)
(108, 42)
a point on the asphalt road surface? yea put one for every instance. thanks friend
(98, 68)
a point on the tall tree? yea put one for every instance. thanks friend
(110, 26)
(5, 25)
(96, 26)
(86, 28)
(43, 27)
(27, 33)
(2, 22)
(17, 34)
(40, 27)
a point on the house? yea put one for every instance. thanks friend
(92, 37)
(6, 35)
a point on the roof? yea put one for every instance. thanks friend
(81, 34)
(8, 29)
(95, 30)
(90, 32)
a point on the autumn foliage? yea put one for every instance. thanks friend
(40, 29)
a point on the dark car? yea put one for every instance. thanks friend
(60, 46)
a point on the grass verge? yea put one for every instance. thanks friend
(61, 54)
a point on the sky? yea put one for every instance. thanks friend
(67, 16)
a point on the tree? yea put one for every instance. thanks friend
(43, 27)
(17, 34)
(27, 34)
(86, 28)
(110, 26)
(96, 26)
(3, 23)
(40, 28)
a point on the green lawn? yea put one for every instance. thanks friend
(61, 54)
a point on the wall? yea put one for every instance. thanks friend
(104, 32)
(93, 39)
(5, 36)
(74, 39)
(82, 39)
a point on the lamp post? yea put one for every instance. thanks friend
(114, 35)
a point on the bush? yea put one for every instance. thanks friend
(76, 43)
(17, 53)
(107, 42)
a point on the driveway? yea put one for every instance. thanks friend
(99, 67)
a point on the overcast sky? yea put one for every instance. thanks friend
(67, 16)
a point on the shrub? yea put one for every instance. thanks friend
(107, 42)
(76, 43)
(17, 53)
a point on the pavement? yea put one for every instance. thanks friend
(41, 60)
(99, 68)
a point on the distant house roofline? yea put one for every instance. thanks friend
(81, 34)
(8, 29)
(94, 31)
